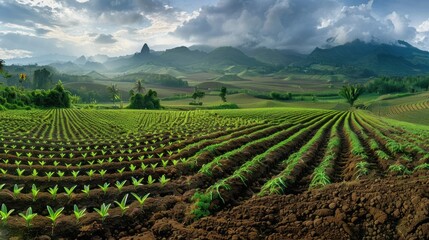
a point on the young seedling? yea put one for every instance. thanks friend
(141, 200)
(16, 191)
(132, 168)
(103, 211)
(86, 190)
(153, 166)
(90, 173)
(34, 192)
(121, 171)
(53, 192)
(150, 180)
(143, 166)
(164, 163)
(49, 175)
(102, 173)
(163, 180)
(120, 185)
(123, 204)
(105, 187)
(78, 213)
(69, 191)
(28, 216)
(5, 214)
(136, 182)
(60, 174)
(54, 215)
(20, 172)
(75, 175)
(34, 174)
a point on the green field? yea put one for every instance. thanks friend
(130, 162)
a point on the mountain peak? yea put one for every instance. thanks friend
(145, 49)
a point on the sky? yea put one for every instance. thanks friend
(120, 27)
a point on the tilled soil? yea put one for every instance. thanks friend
(391, 208)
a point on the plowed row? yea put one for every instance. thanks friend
(219, 158)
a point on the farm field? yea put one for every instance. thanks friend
(279, 173)
(410, 108)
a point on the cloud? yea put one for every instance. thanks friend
(295, 24)
(105, 39)
(42, 31)
(12, 53)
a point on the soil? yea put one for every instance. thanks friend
(392, 208)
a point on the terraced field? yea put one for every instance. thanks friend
(121, 173)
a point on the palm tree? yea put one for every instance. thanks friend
(351, 93)
(22, 79)
(114, 91)
(139, 86)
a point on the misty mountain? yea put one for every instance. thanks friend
(41, 60)
(185, 59)
(354, 59)
(399, 58)
(281, 57)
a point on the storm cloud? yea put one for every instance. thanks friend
(121, 27)
(294, 24)
(105, 39)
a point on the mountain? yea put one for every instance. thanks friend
(399, 58)
(80, 61)
(282, 57)
(181, 56)
(41, 60)
(184, 59)
(96, 75)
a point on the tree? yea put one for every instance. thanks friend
(423, 83)
(223, 94)
(198, 95)
(42, 79)
(22, 79)
(114, 91)
(2, 71)
(351, 93)
(139, 86)
(147, 101)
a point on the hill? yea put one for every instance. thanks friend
(230, 78)
(399, 58)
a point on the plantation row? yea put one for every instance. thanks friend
(397, 109)
(109, 162)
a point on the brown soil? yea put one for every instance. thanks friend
(393, 208)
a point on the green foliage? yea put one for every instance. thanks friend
(139, 199)
(138, 86)
(198, 95)
(201, 205)
(54, 215)
(222, 94)
(399, 169)
(5, 214)
(78, 213)
(18, 98)
(148, 101)
(362, 168)
(351, 93)
(123, 204)
(103, 211)
(385, 85)
(28, 216)
(42, 79)
(114, 92)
